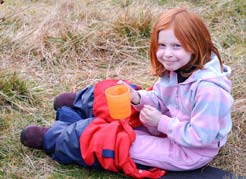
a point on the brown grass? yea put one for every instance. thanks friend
(58, 46)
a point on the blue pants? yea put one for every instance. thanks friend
(61, 142)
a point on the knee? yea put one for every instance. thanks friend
(64, 99)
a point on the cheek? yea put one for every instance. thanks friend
(185, 56)
(159, 54)
(189, 55)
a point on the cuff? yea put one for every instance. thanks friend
(139, 106)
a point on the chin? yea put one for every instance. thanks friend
(171, 69)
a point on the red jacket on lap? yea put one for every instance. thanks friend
(109, 143)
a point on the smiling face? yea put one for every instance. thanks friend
(170, 52)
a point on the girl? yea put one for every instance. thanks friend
(185, 117)
(190, 103)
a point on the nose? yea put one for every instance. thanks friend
(165, 53)
(168, 52)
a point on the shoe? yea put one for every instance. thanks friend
(64, 99)
(33, 136)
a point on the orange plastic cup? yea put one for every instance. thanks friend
(119, 101)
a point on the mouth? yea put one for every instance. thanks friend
(169, 61)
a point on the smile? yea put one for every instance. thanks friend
(169, 61)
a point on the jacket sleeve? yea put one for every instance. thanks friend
(210, 118)
(152, 98)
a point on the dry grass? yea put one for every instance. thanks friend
(48, 47)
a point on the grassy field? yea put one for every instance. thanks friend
(48, 47)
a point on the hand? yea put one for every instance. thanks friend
(150, 116)
(135, 96)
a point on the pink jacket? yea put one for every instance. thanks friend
(197, 112)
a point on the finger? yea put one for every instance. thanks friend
(146, 113)
(142, 117)
(147, 110)
(143, 111)
(148, 107)
(120, 82)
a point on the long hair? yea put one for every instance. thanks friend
(193, 35)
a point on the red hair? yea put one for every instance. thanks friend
(193, 35)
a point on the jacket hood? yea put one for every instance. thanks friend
(212, 72)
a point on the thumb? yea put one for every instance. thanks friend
(121, 82)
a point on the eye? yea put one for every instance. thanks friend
(177, 46)
(161, 45)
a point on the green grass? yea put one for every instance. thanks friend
(49, 47)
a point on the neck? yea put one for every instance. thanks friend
(183, 74)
